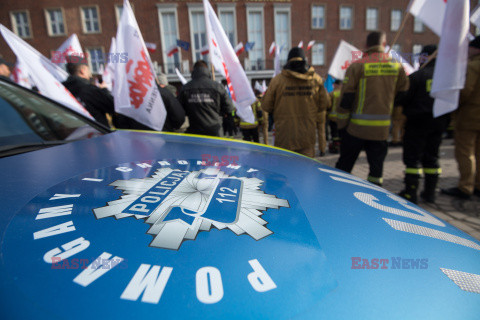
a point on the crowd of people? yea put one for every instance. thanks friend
(375, 101)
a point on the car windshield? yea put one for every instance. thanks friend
(29, 122)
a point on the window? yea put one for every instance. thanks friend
(198, 32)
(55, 22)
(417, 48)
(282, 29)
(255, 34)
(418, 25)
(346, 16)
(395, 20)
(318, 16)
(21, 23)
(95, 59)
(90, 20)
(226, 15)
(371, 22)
(169, 36)
(318, 54)
(118, 12)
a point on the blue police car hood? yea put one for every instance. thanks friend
(145, 225)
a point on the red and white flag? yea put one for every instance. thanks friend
(135, 91)
(46, 83)
(239, 48)
(431, 12)
(343, 58)
(71, 46)
(300, 44)
(172, 50)
(204, 51)
(20, 75)
(271, 51)
(310, 44)
(226, 62)
(451, 65)
(151, 47)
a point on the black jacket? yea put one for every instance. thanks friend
(417, 101)
(175, 115)
(205, 102)
(97, 101)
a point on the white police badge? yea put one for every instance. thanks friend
(179, 204)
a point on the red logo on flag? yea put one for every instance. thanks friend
(143, 77)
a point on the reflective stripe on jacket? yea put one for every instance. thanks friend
(368, 94)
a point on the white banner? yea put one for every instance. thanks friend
(225, 61)
(44, 80)
(71, 46)
(21, 76)
(135, 91)
(451, 65)
(431, 12)
(342, 59)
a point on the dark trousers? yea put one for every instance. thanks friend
(421, 142)
(333, 130)
(350, 149)
(250, 134)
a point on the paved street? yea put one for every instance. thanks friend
(461, 213)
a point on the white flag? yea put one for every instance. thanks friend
(258, 86)
(180, 76)
(300, 44)
(344, 56)
(71, 46)
(44, 80)
(475, 17)
(431, 12)
(21, 76)
(264, 86)
(226, 62)
(397, 56)
(276, 61)
(135, 91)
(109, 72)
(451, 65)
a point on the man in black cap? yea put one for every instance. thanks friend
(4, 69)
(97, 101)
(467, 129)
(423, 133)
(296, 97)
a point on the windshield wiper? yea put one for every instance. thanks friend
(11, 150)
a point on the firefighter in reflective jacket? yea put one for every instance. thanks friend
(250, 130)
(423, 133)
(364, 114)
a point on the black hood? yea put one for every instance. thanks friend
(200, 72)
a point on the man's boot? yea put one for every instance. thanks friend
(411, 187)
(428, 193)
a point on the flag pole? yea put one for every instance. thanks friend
(400, 30)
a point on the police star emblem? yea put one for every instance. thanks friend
(179, 204)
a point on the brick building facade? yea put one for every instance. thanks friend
(46, 24)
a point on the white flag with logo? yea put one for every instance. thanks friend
(71, 46)
(44, 80)
(20, 75)
(451, 65)
(225, 61)
(343, 58)
(135, 91)
(430, 12)
(277, 68)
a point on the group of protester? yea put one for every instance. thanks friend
(358, 113)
